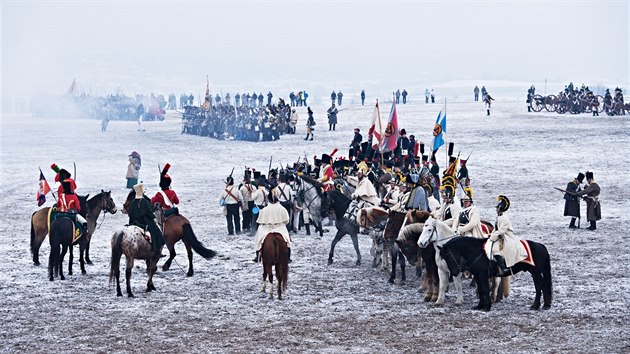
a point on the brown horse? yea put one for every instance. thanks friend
(131, 242)
(175, 228)
(274, 251)
(39, 222)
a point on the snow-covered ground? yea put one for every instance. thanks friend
(337, 308)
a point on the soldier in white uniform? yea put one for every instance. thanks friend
(468, 221)
(450, 206)
(503, 246)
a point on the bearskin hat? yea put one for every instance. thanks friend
(589, 175)
(327, 159)
(580, 177)
(165, 179)
(256, 175)
(448, 190)
(504, 203)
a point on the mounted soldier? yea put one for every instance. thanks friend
(468, 221)
(503, 246)
(273, 218)
(327, 174)
(166, 197)
(141, 214)
(450, 208)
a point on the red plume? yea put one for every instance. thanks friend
(166, 167)
(334, 152)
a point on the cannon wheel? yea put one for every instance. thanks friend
(560, 107)
(550, 105)
(537, 103)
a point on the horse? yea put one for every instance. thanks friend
(467, 253)
(314, 200)
(438, 233)
(39, 222)
(61, 238)
(373, 219)
(396, 221)
(131, 242)
(274, 252)
(407, 241)
(175, 228)
(340, 203)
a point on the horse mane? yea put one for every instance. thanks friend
(443, 227)
(340, 201)
(411, 231)
(315, 183)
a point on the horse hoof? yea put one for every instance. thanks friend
(358, 263)
(189, 274)
(148, 290)
(51, 279)
(70, 273)
(130, 295)
(87, 261)
(83, 272)
(534, 307)
(546, 307)
(36, 263)
(330, 261)
(166, 267)
(62, 278)
(119, 294)
(391, 281)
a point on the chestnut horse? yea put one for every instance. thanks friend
(274, 252)
(175, 228)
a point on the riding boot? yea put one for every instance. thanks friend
(306, 137)
(572, 224)
(503, 271)
(529, 109)
(289, 255)
(488, 112)
(593, 225)
(308, 229)
(256, 258)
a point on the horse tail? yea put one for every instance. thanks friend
(191, 239)
(546, 271)
(33, 236)
(116, 254)
(282, 259)
(55, 245)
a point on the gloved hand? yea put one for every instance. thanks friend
(494, 237)
(460, 230)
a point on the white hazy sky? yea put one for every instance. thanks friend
(139, 47)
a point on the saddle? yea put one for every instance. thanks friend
(77, 228)
(354, 207)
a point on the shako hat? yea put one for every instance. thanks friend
(165, 179)
(326, 159)
(580, 177)
(504, 203)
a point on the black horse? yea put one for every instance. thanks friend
(61, 237)
(338, 202)
(467, 253)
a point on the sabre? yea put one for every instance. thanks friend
(269, 169)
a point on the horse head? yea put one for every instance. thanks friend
(429, 233)
(105, 202)
(407, 241)
(394, 223)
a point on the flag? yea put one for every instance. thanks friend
(375, 127)
(73, 87)
(390, 140)
(44, 188)
(439, 130)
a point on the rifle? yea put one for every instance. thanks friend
(585, 197)
(75, 171)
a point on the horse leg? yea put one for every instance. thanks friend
(494, 290)
(393, 257)
(484, 293)
(402, 260)
(338, 237)
(87, 250)
(279, 271)
(81, 261)
(547, 286)
(460, 289)
(434, 285)
(117, 275)
(171, 256)
(270, 277)
(190, 264)
(70, 258)
(443, 284)
(355, 242)
(152, 268)
(64, 249)
(538, 285)
(128, 275)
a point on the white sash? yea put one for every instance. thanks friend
(167, 201)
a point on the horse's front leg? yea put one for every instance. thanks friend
(494, 290)
(190, 263)
(393, 256)
(538, 285)
(460, 290)
(171, 256)
(82, 250)
(64, 250)
(443, 274)
(152, 269)
(402, 261)
(355, 242)
(87, 250)
(331, 254)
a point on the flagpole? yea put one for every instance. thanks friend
(445, 141)
(380, 130)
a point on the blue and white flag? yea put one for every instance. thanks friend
(439, 130)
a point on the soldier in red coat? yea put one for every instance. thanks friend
(166, 197)
(63, 176)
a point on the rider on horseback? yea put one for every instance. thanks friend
(273, 218)
(503, 246)
(141, 214)
(327, 174)
(468, 221)
(166, 197)
(67, 200)
(449, 209)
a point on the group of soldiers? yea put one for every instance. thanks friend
(242, 122)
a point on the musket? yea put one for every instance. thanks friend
(269, 169)
(573, 193)
(75, 171)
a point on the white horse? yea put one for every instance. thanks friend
(313, 198)
(438, 233)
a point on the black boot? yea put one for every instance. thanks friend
(308, 229)
(488, 112)
(503, 271)
(593, 226)
(256, 258)
(306, 137)
(572, 224)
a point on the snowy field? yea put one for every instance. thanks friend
(336, 308)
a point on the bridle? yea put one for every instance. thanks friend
(105, 208)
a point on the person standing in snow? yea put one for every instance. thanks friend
(593, 207)
(487, 99)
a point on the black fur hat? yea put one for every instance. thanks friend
(165, 179)
(580, 177)
(589, 175)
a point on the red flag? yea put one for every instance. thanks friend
(44, 188)
(375, 127)
(390, 140)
